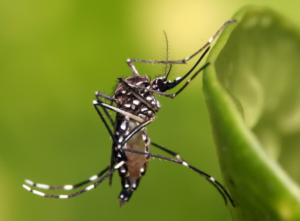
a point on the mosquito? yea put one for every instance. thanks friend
(136, 106)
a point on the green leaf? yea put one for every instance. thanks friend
(252, 91)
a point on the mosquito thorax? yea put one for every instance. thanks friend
(144, 107)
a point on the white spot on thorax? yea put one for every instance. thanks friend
(136, 102)
(123, 125)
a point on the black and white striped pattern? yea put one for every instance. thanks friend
(135, 106)
(67, 187)
(179, 160)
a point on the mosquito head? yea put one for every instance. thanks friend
(161, 84)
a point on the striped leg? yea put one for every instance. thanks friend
(68, 186)
(182, 61)
(209, 178)
(105, 106)
(78, 192)
(174, 83)
(93, 178)
(115, 109)
(167, 150)
(178, 80)
(178, 157)
(116, 143)
(107, 97)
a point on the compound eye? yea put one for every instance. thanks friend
(161, 85)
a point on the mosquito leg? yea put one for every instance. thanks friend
(167, 150)
(211, 39)
(100, 103)
(111, 163)
(118, 110)
(112, 157)
(186, 83)
(134, 131)
(79, 192)
(178, 157)
(124, 140)
(181, 89)
(98, 95)
(183, 61)
(105, 96)
(103, 119)
(68, 186)
(115, 142)
(132, 67)
(209, 178)
(179, 79)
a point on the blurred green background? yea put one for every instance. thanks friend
(54, 56)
